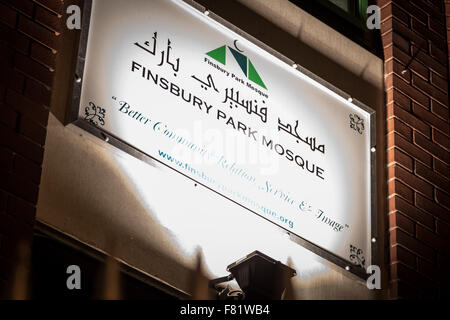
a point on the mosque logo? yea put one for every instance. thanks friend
(220, 55)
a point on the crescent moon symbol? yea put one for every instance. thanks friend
(235, 45)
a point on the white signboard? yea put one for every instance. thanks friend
(190, 93)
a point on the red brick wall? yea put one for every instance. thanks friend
(28, 46)
(416, 77)
(414, 39)
(447, 12)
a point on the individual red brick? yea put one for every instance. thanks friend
(393, 124)
(421, 25)
(383, 3)
(12, 78)
(430, 90)
(412, 10)
(422, 29)
(48, 18)
(386, 27)
(440, 110)
(16, 81)
(443, 198)
(405, 32)
(398, 204)
(14, 39)
(434, 178)
(399, 237)
(6, 159)
(433, 148)
(400, 189)
(391, 10)
(437, 53)
(27, 168)
(38, 33)
(437, 26)
(23, 6)
(429, 270)
(393, 52)
(21, 209)
(419, 69)
(37, 92)
(410, 276)
(438, 4)
(430, 118)
(410, 91)
(389, 80)
(432, 240)
(399, 254)
(395, 140)
(8, 16)
(23, 105)
(442, 140)
(432, 208)
(392, 37)
(32, 130)
(396, 156)
(397, 220)
(441, 168)
(19, 186)
(390, 50)
(34, 69)
(43, 54)
(443, 229)
(9, 116)
(411, 180)
(21, 145)
(433, 64)
(394, 96)
(429, 9)
(56, 6)
(7, 181)
(393, 66)
(439, 82)
(411, 120)
(7, 58)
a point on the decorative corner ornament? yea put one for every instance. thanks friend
(357, 256)
(94, 114)
(356, 123)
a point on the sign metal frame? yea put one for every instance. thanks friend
(74, 119)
